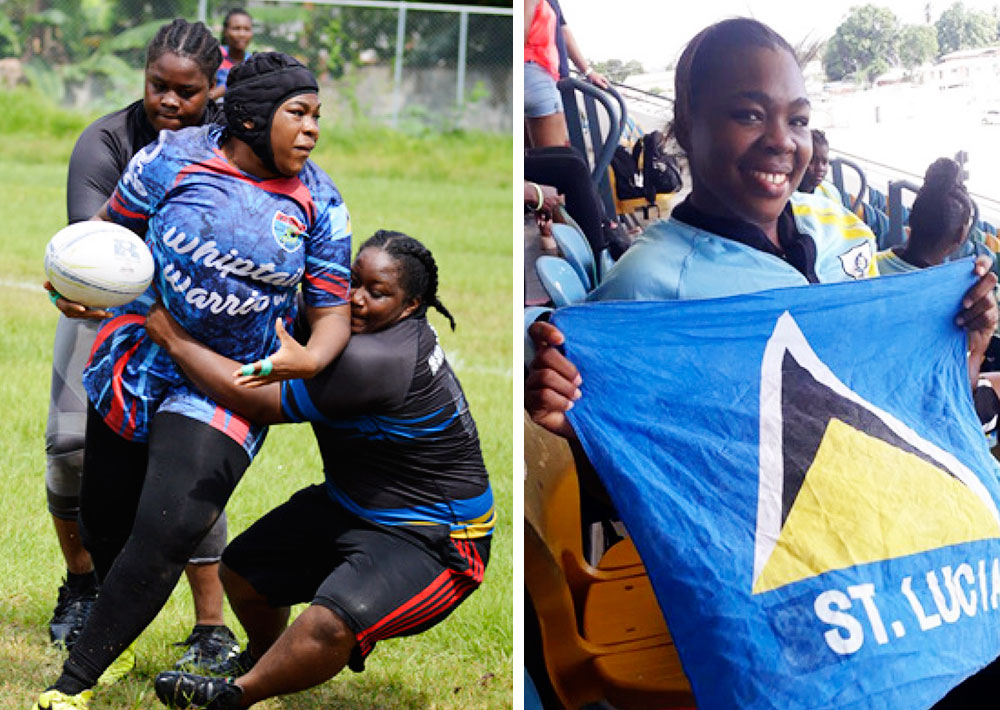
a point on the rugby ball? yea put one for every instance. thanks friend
(99, 264)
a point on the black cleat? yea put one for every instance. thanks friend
(234, 666)
(177, 689)
(210, 649)
(70, 615)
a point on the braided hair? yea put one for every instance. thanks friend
(419, 270)
(942, 208)
(187, 39)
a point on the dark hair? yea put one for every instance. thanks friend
(420, 273)
(942, 207)
(700, 60)
(187, 39)
(819, 138)
(229, 15)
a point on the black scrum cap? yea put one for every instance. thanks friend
(255, 90)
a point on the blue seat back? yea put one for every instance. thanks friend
(560, 281)
(576, 250)
(604, 262)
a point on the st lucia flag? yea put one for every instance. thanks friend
(804, 475)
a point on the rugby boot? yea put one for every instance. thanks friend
(233, 667)
(210, 649)
(72, 609)
(53, 699)
(177, 689)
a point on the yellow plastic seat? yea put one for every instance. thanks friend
(630, 205)
(603, 635)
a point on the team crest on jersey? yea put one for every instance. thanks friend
(857, 260)
(287, 231)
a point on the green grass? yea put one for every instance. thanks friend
(452, 192)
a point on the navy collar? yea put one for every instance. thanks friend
(798, 249)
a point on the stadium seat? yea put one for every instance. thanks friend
(604, 263)
(627, 206)
(560, 281)
(576, 250)
(531, 314)
(603, 635)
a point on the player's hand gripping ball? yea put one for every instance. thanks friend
(99, 264)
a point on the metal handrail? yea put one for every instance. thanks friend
(838, 178)
(617, 117)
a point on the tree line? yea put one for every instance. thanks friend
(872, 40)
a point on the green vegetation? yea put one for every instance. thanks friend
(451, 191)
(87, 49)
(871, 40)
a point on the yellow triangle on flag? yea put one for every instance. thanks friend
(864, 500)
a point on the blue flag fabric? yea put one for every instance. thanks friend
(804, 475)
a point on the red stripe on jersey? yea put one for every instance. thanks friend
(289, 186)
(116, 416)
(232, 425)
(218, 419)
(239, 428)
(330, 283)
(119, 206)
(111, 326)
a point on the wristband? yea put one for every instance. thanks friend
(54, 296)
(541, 197)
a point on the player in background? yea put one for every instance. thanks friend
(237, 31)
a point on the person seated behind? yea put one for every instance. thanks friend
(813, 181)
(400, 533)
(939, 225)
(939, 221)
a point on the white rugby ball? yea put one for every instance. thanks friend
(99, 264)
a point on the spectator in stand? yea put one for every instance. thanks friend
(237, 31)
(814, 180)
(939, 221)
(548, 46)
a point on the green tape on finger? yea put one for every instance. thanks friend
(266, 367)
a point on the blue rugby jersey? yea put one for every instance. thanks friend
(398, 442)
(230, 251)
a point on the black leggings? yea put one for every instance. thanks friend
(143, 510)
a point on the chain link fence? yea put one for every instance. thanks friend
(409, 65)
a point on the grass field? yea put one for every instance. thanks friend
(453, 193)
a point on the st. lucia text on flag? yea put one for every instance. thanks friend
(804, 475)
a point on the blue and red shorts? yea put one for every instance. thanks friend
(383, 582)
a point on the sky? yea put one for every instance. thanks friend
(655, 31)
